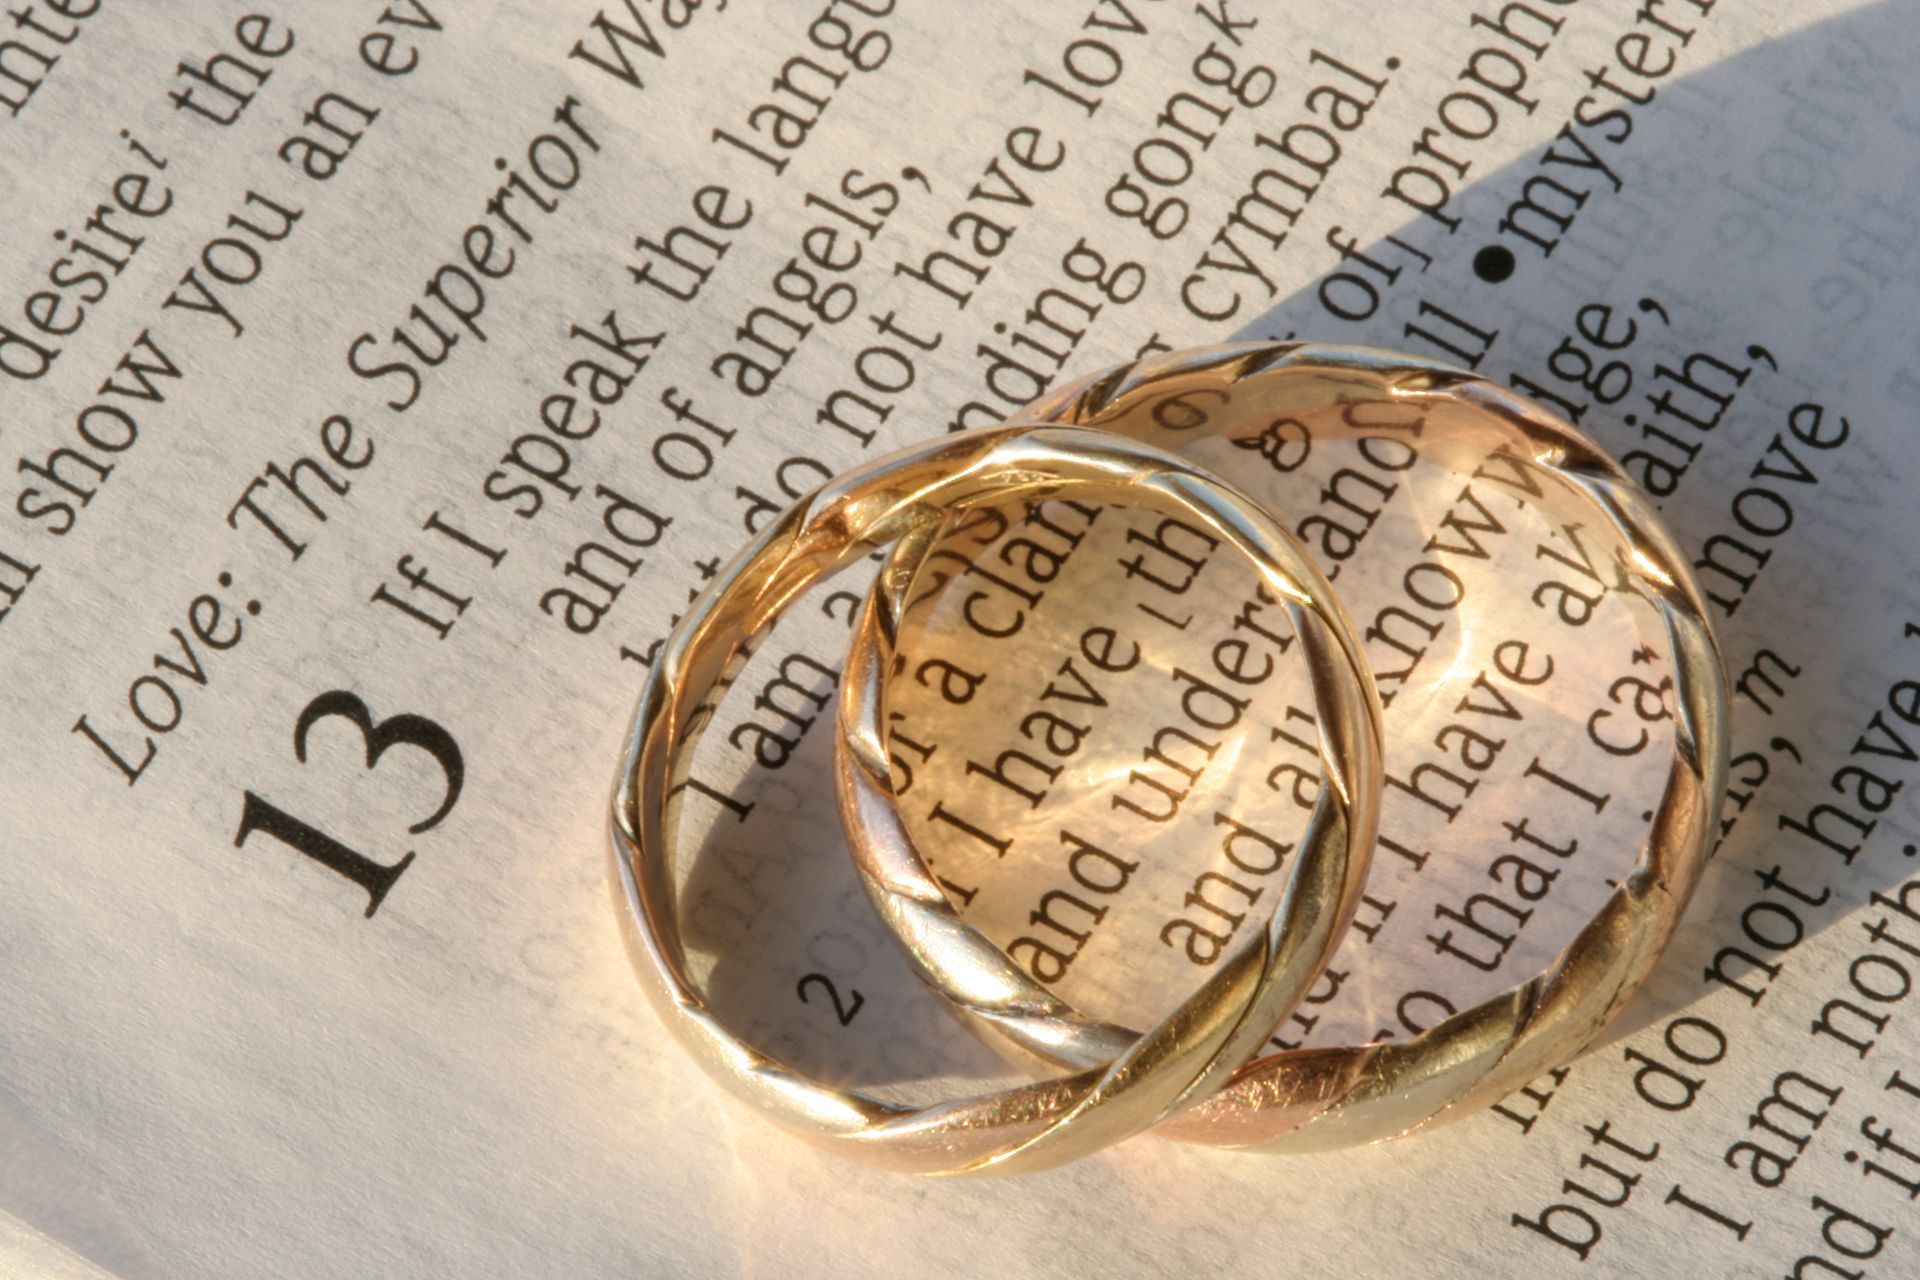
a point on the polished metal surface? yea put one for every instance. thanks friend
(1142, 1079)
(1314, 1099)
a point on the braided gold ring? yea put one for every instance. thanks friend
(1180, 1060)
(1320, 1098)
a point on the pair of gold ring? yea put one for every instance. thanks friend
(1194, 1075)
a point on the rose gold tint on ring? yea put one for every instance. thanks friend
(1314, 1099)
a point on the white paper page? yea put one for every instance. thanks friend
(217, 1061)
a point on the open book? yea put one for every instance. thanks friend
(383, 376)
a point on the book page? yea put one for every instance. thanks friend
(382, 381)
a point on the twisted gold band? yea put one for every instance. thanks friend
(1313, 1099)
(1193, 1050)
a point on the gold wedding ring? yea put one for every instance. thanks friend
(1181, 1059)
(1103, 437)
(1313, 1098)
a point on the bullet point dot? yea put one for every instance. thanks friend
(1493, 263)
